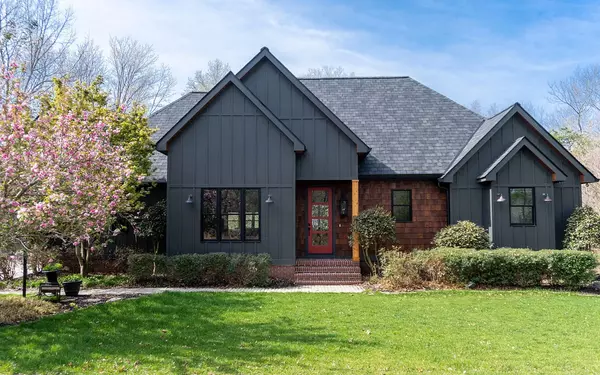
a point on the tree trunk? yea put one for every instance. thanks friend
(83, 258)
(156, 245)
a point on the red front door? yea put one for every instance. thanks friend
(319, 221)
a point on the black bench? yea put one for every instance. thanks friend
(47, 289)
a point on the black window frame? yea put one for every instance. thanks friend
(220, 217)
(524, 205)
(410, 211)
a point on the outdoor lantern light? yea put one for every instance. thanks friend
(269, 199)
(190, 199)
(546, 197)
(500, 198)
(344, 207)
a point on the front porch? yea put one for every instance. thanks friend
(324, 213)
(324, 255)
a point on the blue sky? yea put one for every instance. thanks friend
(493, 51)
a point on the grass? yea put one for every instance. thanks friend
(449, 332)
(15, 309)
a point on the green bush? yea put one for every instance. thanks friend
(375, 228)
(583, 230)
(141, 266)
(215, 269)
(571, 268)
(463, 234)
(502, 267)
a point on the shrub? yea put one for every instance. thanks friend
(583, 229)
(215, 269)
(249, 270)
(502, 267)
(18, 309)
(399, 270)
(571, 268)
(141, 266)
(463, 234)
(375, 228)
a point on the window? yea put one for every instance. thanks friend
(230, 214)
(522, 206)
(402, 205)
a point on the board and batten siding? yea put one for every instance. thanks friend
(330, 154)
(523, 170)
(470, 200)
(231, 144)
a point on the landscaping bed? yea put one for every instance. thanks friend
(443, 332)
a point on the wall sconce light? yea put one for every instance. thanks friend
(343, 206)
(269, 199)
(546, 197)
(500, 198)
(190, 199)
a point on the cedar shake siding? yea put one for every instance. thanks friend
(428, 208)
(428, 212)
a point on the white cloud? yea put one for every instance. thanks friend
(482, 64)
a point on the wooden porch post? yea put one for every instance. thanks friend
(355, 252)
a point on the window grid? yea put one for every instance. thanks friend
(522, 206)
(247, 222)
(402, 205)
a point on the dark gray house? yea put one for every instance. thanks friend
(267, 162)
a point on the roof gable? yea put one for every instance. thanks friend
(229, 79)
(490, 126)
(264, 53)
(491, 172)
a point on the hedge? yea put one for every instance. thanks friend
(501, 267)
(216, 269)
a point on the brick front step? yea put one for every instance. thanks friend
(326, 262)
(310, 277)
(328, 282)
(328, 269)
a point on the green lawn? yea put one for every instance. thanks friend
(472, 332)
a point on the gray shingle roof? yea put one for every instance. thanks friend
(163, 120)
(410, 128)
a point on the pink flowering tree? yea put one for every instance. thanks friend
(60, 174)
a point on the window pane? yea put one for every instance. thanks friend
(230, 214)
(528, 197)
(252, 202)
(517, 197)
(209, 214)
(319, 210)
(516, 213)
(401, 197)
(527, 215)
(320, 239)
(320, 224)
(402, 213)
(319, 196)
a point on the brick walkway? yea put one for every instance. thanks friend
(291, 289)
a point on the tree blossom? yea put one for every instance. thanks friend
(60, 174)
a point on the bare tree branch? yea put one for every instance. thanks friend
(328, 71)
(39, 34)
(86, 63)
(134, 75)
(206, 80)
